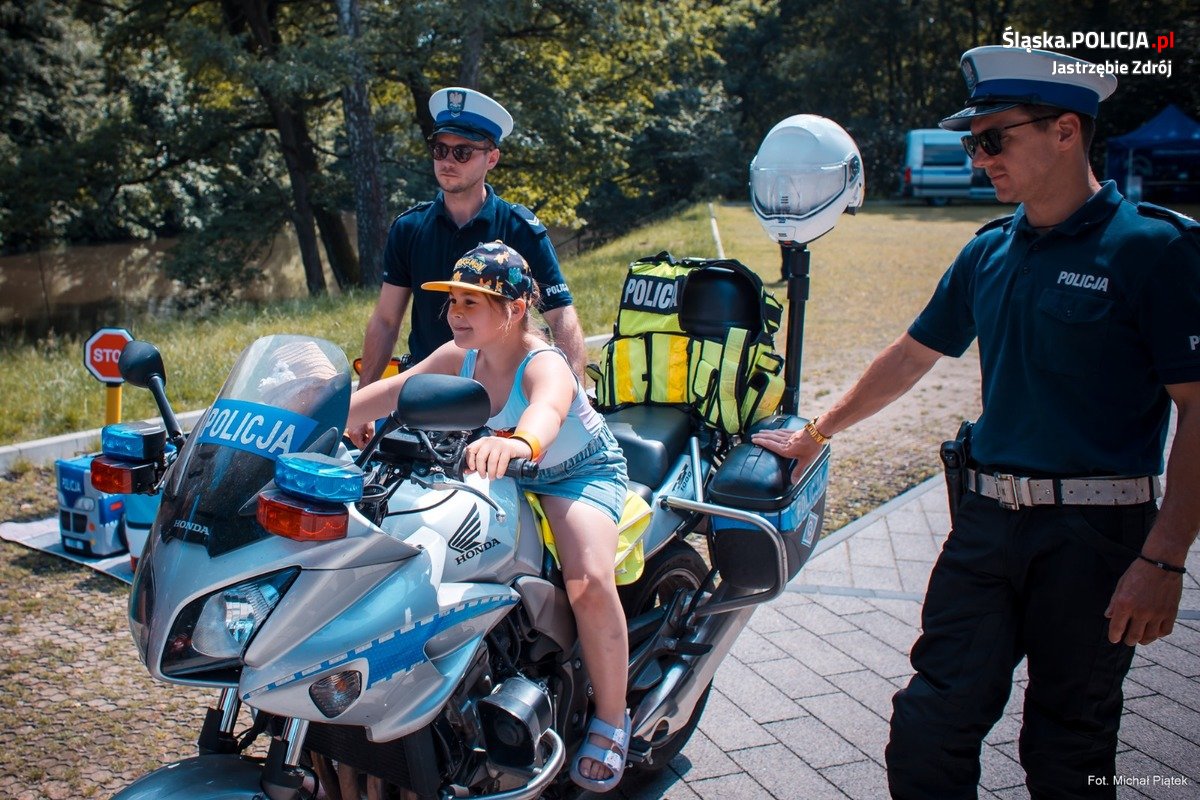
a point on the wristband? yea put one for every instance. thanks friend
(535, 445)
(1164, 565)
(811, 429)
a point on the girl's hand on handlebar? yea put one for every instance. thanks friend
(490, 455)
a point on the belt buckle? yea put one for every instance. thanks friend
(1006, 491)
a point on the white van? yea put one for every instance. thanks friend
(937, 169)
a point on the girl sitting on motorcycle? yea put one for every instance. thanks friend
(543, 414)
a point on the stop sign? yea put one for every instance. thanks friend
(102, 352)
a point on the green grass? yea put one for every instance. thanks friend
(870, 275)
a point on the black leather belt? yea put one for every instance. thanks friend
(1015, 491)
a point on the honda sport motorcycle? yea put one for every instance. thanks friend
(397, 626)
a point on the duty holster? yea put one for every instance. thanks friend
(955, 454)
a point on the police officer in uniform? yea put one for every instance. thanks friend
(426, 241)
(1087, 310)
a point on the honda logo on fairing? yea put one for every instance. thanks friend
(467, 535)
(466, 539)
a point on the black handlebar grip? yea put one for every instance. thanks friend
(521, 468)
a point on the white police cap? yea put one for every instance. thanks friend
(470, 114)
(1000, 78)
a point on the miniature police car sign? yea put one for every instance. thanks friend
(102, 351)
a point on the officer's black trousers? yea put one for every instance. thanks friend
(1031, 583)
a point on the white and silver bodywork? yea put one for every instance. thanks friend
(441, 600)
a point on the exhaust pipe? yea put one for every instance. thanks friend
(674, 698)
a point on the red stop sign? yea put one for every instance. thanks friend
(102, 352)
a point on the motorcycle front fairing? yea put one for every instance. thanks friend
(285, 394)
(409, 637)
(373, 602)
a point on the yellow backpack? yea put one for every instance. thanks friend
(726, 369)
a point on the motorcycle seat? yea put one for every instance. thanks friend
(652, 438)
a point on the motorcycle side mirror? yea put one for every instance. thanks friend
(140, 362)
(442, 403)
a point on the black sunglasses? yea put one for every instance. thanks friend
(989, 140)
(462, 152)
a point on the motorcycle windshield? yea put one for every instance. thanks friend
(286, 394)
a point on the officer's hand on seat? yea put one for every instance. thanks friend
(1144, 605)
(790, 444)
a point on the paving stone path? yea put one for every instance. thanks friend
(800, 708)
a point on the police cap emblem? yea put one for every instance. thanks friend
(969, 74)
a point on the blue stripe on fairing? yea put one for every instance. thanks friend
(400, 651)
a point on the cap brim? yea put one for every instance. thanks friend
(962, 120)
(467, 133)
(445, 286)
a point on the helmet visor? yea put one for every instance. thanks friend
(800, 191)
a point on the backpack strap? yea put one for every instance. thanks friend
(731, 373)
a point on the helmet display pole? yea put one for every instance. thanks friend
(806, 174)
(794, 270)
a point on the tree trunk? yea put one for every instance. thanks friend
(370, 205)
(288, 114)
(336, 239)
(472, 48)
(419, 88)
(293, 138)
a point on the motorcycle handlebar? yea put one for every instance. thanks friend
(521, 468)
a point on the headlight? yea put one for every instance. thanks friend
(229, 618)
(211, 633)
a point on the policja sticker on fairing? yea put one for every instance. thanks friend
(255, 428)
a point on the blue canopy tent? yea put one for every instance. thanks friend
(1160, 161)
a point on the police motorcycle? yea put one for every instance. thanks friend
(381, 611)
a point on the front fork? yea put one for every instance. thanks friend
(281, 776)
(216, 736)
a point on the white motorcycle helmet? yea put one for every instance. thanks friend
(806, 173)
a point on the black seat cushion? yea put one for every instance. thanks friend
(652, 438)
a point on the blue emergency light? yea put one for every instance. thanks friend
(313, 476)
(133, 441)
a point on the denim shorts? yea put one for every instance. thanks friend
(596, 475)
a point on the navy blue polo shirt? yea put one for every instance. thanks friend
(424, 243)
(1079, 330)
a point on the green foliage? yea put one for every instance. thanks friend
(221, 255)
(867, 257)
(586, 92)
(51, 74)
(221, 121)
